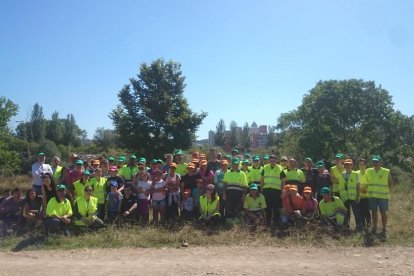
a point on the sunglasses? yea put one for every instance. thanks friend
(88, 190)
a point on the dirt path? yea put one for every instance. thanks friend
(212, 261)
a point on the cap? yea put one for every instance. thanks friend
(247, 155)
(203, 162)
(199, 180)
(191, 166)
(308, 159)
(210, 187)
(41, 154)
(202, 155)
(266, 157)
(307, 190)
(228, 156)
(61, 187)
(160, 161)
(173, 165)
(253, 187)
(79, 162)
(283, 158)
(86, 172)
(121, 159)
(113, 183)
(113, 168)
(224, 162)
(154, 161)
(235, 150)
(96, 162)
(142, 160)
(256, 158)
(110, 158)
(245, 162)
(339, 156)
(320, 164)
(194, 161)
(376, 158)
(348, 161)
(235, 161)
(325, 190)
(187, 192)
(132, 156)
(293, 188)
(176, 152)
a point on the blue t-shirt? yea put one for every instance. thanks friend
(114, 201)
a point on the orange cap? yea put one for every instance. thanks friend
(293, 188)
(173, 165)
(307, 190)
(204, 162)
(348, 161)
(191, 166)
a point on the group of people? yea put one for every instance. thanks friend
(87, 194)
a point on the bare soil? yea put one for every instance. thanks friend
(237, 260)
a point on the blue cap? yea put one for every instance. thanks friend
(113, 183)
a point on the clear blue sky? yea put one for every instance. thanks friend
(260, 57)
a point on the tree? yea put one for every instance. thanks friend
(271, 136)
(233, 139)
(72, 134)
(351, 116)
(105, 138)
(153, 116)
(245, 139)
(220, 135)
(54, 129)
(9, 159)
(37, 124)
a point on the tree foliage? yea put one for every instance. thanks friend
(233, 137)
(220, 135)
(153, 116)
(105, 138)
(351, 116)
(245, 138)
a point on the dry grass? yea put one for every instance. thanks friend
(23, 182)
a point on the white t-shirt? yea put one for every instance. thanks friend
(145, 186)
(38, 170)
(159, 195)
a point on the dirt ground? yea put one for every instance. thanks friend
(212, 261)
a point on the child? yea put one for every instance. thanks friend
(143, 192)
(309, 204)
(187, 212)
(113, 202)
(172, 182)
(197, 192)
(158, 196)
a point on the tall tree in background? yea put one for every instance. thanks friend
(233, 139)
(37, 124)
(220, 135)
(72, 134)
(351, 116)
(245, 138)
(54, 129)
(105, 138)
(154, 116)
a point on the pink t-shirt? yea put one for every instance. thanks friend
(158, 195)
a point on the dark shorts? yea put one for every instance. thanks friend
(378, 203)
(158, 203)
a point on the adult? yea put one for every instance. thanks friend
(219, 183)
(206, 174)
(309, 205)
(79, 186)
(58, 212)
(172, 182)
(10, 210)
(309, 171)
(256, 172)
(379, 186)
(336, 172)
(181, 166)
(254, 206)
(235, 184)
(321, 179)
(295, 176)
(168, 161)
(32, 210)
(209, 207)
(245, 168)
(113, 176)
(127, 172)
(85, 210)
(158, 197)
(98, 184)
(38, 169)
(57, 169)
(213, 164)
(348, 185)
(75, 175)
(129, 205)
(188, 181)
(272, 181)
(48, 190)
(284, 162)
(363, 194)
(332, 209)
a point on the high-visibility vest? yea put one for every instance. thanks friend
(255, 174)
(296, 175)
(335, 172)
(208, 208)
(363, 183)
(86, 209)
(378, 183)
(348, 189)
(80, 187)
(272, 177)
(57, 173)
(99, 189)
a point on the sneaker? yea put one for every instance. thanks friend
(383, 236)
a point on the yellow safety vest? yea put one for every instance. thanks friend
(255, 174)
(363, 184)
(80, 188)
(295, 174)
(86, 209)
(335, 172)
(272, 177)
(99, 189)
(181, 169)
(348, 189)
(378, 183)
(57, 174)
(208, 208)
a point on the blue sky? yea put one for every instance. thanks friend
(243, 60)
